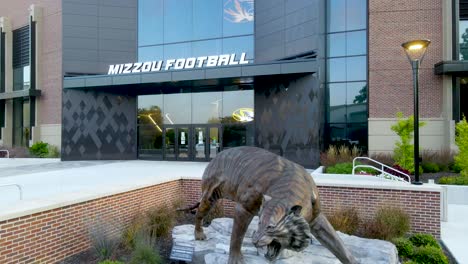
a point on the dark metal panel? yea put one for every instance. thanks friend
(289, 117)
(20, 93)
(21, 47)
(98, 126)
(2, 62)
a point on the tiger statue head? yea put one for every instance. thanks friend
(281, 228)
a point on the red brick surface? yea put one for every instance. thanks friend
(53, 235)
(392, 23)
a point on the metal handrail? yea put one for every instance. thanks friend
(7, 152)
(383, 174)
(20, 189)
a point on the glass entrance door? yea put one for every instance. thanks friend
(177, 142)
(199, 143)
(206, 142)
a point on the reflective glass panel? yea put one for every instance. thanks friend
(356, 102)
(463, 39)
(183, 139)
(234, 136)
(178, 20)
(207, 47)
(200, 141)
(150, 22)
(356, 14)
(336, 70)
(149, 142)
(207, 19)
(336, 15)
(357, 134)
(150, 110)
(169, 141)
(238, 17)
(236, 100)
(152, 53)
(177, 108)
(336, 45)
(337, 102)
(356, 43)
(238, 45)
(356, 68)
(214, 142)
(207, 107)
(177, 51)
(338, 134)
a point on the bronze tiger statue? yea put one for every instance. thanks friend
(282, 192)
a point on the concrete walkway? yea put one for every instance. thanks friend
(455, 231)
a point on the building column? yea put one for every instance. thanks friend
(7, 130)
(35, 26)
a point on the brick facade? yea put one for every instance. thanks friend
(392, 23)
(51, 236)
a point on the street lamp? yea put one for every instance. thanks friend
(415, 50)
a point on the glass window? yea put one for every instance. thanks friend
(235, 100)
(150, 110)
(336, 45)
(177, 108)
(207, 19)
(356, 43)
(207, 47)
(238, 17)
(356, 102)
(357, 134)
(178, 20)
(336, 15)
(235, 136)
(152, 53)
(21, 78)
(150, 22)
(337, 134)
(238, 45)
(356, 68)
(207, 107)
(177, 51)
(336, 70)
(337, 102)
(356, 14)
(463, 39)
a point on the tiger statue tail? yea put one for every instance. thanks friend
(326, 235)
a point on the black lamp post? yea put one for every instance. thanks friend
(415, 50)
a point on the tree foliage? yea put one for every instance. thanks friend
(404, 148)
(461, 139)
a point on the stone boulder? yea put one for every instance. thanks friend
(215, 250)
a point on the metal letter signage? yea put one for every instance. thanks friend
(179, 64)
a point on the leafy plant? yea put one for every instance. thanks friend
(111, 262)
(347, 168)
(419, 240)
(430, 167)
(458, 180)
(53, 152)
(388, 223)
(39, 149)
(160, 221)
(404, 246)
(404, 149)
(345, 220)
(461, 139)
(455, 168)
(429, 255)
(145, 252)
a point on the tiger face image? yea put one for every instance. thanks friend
(279, 229)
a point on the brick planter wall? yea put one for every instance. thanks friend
(53, 235)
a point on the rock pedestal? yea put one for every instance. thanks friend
(215, 250)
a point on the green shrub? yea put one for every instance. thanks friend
(420, 240)
(461, 139)
(345, 220)
(53, 152)
(160, 221)
(430, 167)
(429, 255)
(410, 262)
(145, 252)
(404, 246)
(39, 149)
(347, 168)
(111, 262)
(454, 180)
(404, 149)
(388, 223)
(455, 168)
